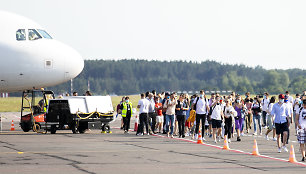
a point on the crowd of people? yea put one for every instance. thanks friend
(219, 116)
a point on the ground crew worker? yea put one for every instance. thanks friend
(126, 114)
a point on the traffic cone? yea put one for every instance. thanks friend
(255, 149)
(292, 155)
(136, 123)
(225, 146)
(12, 126)
(200, 138)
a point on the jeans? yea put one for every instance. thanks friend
(257, 117)
(181, 124)
(200, 117)
(169, 118)
(264, 118)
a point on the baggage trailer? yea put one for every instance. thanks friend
(79, 113)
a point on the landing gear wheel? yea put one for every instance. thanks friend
(106, 128)
(25, 127)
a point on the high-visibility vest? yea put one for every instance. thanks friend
(124, 110)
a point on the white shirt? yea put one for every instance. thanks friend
(289, 106)
(270, 108)
(297, 106)
(264, 104)
(201, 105)
(302, 119)
(228, 110)
(144, 106)
(216, 113)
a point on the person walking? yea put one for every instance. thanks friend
(216, 119)
(229, 112)
(300, 121)
(143, 105)
(127, 113)
(152, 113)
(256, 108)
(282, 122)
(170, 113)
(239, 108)
(201, 107)
(270, 119)
(181, 111)
(249, 115)
(264, 103)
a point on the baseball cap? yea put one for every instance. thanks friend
(281, 96)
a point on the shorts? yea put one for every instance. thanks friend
(159, 119)
(301, 136)
(280, 128)
(188, 124)
(216, 123)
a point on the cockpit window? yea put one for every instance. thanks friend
(44, 34)
(33, 34)
(20, 34)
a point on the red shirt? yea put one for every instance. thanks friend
(159, 109)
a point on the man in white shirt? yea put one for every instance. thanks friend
(143, 106)
(264, 104)
(202, 109)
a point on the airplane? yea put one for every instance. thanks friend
(32, 59)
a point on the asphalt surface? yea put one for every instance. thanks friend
(94, 152)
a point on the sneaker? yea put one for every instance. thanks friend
(215, 142)
(285, 148)
(196, 136)
(172, 136)
(203, 139)
(274, 139)
(238, 139)
(168, 135)
(183, 136)
(255, 133)
(229, 140)
(210, 135)
(219, 139)
(242, 134)
(303, 159)
(260, 133)
(267, 138)
(279, 150)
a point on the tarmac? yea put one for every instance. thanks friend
(94, 152)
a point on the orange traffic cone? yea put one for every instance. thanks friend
(200, 138)
(136, 123)
(225, 146)
(292, 155)
(255, 149)
(12, 126)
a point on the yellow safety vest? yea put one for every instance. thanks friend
(124, 110)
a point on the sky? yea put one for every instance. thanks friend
(268, 33)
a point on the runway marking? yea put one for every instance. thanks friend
(232, 150)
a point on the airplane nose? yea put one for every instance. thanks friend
(74, 65)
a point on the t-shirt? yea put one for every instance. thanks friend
(144, 106)
(228, 110)
(296, 106)
(159, 111)
(270, 108)
(201, 105)
(216, 113)
(302, 119)
(170, 105)
(264, 104)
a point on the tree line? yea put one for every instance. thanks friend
(123, 77)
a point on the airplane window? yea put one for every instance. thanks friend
(33, 34)
(44, 34)
(20, 34)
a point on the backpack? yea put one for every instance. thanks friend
(195, 105)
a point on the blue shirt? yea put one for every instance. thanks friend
(280, 112)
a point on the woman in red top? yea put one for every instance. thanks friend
(159, 112)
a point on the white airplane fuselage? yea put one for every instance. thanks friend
(27, 63)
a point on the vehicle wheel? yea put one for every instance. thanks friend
(25, 127)
(53, 129)
(106, 127)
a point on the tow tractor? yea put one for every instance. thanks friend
(79, 113)
(32, 110)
